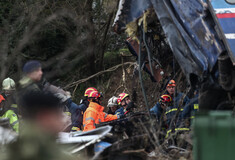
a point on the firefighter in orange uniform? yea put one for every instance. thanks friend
(94, 113)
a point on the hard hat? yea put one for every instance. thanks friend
(165, 99)
(8, 84)
(94, 94)
(1, 98)
(112, 101)
(89, 90)
(171, 83)
(121, 97)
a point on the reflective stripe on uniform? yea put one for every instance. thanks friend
(85, 125)
(174, 109)
(192, 117)
(167, 133)
(75, 128)
(14, 105)
(117, 113)
(68, 113)
(176, 129)
(196, 106)
(90, 118)
(182, 129)
(15, 122)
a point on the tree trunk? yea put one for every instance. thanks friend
(91, 45)
(104, 43)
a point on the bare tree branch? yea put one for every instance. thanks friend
(97, 74)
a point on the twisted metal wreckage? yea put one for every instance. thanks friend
(200, 35)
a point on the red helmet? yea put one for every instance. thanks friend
(1, 98)
(89, 90)
(121, 97)
(165, 99)
(94, 94)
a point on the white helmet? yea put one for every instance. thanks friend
(112, 102)
(8, 84)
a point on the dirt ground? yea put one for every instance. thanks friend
(126, 79)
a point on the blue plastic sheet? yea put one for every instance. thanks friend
(99, 147)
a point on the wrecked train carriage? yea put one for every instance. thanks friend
(200, 35)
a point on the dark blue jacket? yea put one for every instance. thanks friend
(157, 110)
(191, 108)
(177, 99)
(77, 113)
(120, 111)
(171, 110)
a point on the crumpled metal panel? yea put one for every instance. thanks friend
(203, 39)
(191, 36)
(178, 45)
(131, 10)
(189, 31)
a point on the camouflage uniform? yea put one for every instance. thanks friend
(33, 144)
(26, 85)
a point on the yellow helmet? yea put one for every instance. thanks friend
(121, 97)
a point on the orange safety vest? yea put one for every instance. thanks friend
(94, 115)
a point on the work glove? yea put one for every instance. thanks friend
(62, 97)
(130, 106)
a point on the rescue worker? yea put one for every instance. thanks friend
(112, 105)
(78, 111)
(177, 96)
(94, 113)
(42, 120)
(159, 110)
(190, 110)
(8, 113)
(8, 87)
(163, 119)
(175, 111)
(125, 103)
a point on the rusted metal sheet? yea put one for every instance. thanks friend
(156, 76)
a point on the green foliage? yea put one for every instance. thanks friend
(124, 51)
(111, 58)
